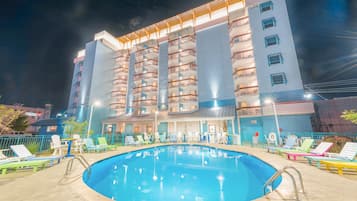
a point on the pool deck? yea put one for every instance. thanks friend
(51, 184)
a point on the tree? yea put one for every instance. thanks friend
(20, 124)
(7, 116)
(350, 115)
(74, 127)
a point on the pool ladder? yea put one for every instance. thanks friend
(277, 174)
(82, 161)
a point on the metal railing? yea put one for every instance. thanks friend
(36, 144)
(268, 184)
(82, 161)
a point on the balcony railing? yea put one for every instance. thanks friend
(239, 30)
(249, 111)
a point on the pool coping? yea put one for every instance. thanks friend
(52, 185)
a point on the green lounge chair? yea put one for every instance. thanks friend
(103, 142)
(22, 164)
(90, 146)
(305, 147)
(347, 154)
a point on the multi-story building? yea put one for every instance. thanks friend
(207, 70)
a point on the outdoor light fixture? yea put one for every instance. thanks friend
(308, 96)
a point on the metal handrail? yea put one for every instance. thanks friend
(279, 173)
(82, 161)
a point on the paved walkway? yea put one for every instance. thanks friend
(51, 185)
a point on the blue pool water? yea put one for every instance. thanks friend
(180, 172)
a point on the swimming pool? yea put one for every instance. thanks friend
(180, 172)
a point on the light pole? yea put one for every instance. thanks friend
(156, 113)
(96, 103)
(270, 101)
(155, 126)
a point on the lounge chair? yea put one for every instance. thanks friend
(21, 164)
(129, 140)
(4, 159)
(289, 144)
(90, 146)
(347, 154)
(57, 145)
(339, 165)
(305, 147)
(320, 150)
(103, 142)
(77, 143)
(172, 138)
(141, 140)
(24, 154)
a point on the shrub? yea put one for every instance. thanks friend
(33, 147)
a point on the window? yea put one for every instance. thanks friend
(266, 6)
(268, 23)
(275, 59)
(278, 78)
(271, 40)
(51, 129)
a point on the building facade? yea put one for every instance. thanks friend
(205, 71)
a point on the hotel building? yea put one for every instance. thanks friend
(205, 71)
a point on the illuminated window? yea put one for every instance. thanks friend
(271, 40)
(278, 78)
(51, 128)
(268, 23)
(266, 6)
(275, 59)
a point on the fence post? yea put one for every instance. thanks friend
(18, 140)
(42, 139)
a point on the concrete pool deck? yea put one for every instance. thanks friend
(51, 184)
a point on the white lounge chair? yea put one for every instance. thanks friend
(57, 145)
(348, 153)
(24, 154)
(77, 143)
(129, 140)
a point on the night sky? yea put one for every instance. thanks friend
(39, 39)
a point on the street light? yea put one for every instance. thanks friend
(95, 104)
(156, 133)
(270, 101)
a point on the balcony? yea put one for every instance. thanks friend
(146, 75)
(239, 30)
(182, 74)
(183, 60)
(249, 111)
(248, 94)
(183, 67)
(145, 89)
(186, 107)
(245, 76)
(182, 46)
(118, 93)
(149, 55)
(242, 46)
(183, 39)
(146, 62)
(243, 62)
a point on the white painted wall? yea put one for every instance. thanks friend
(286, 47)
